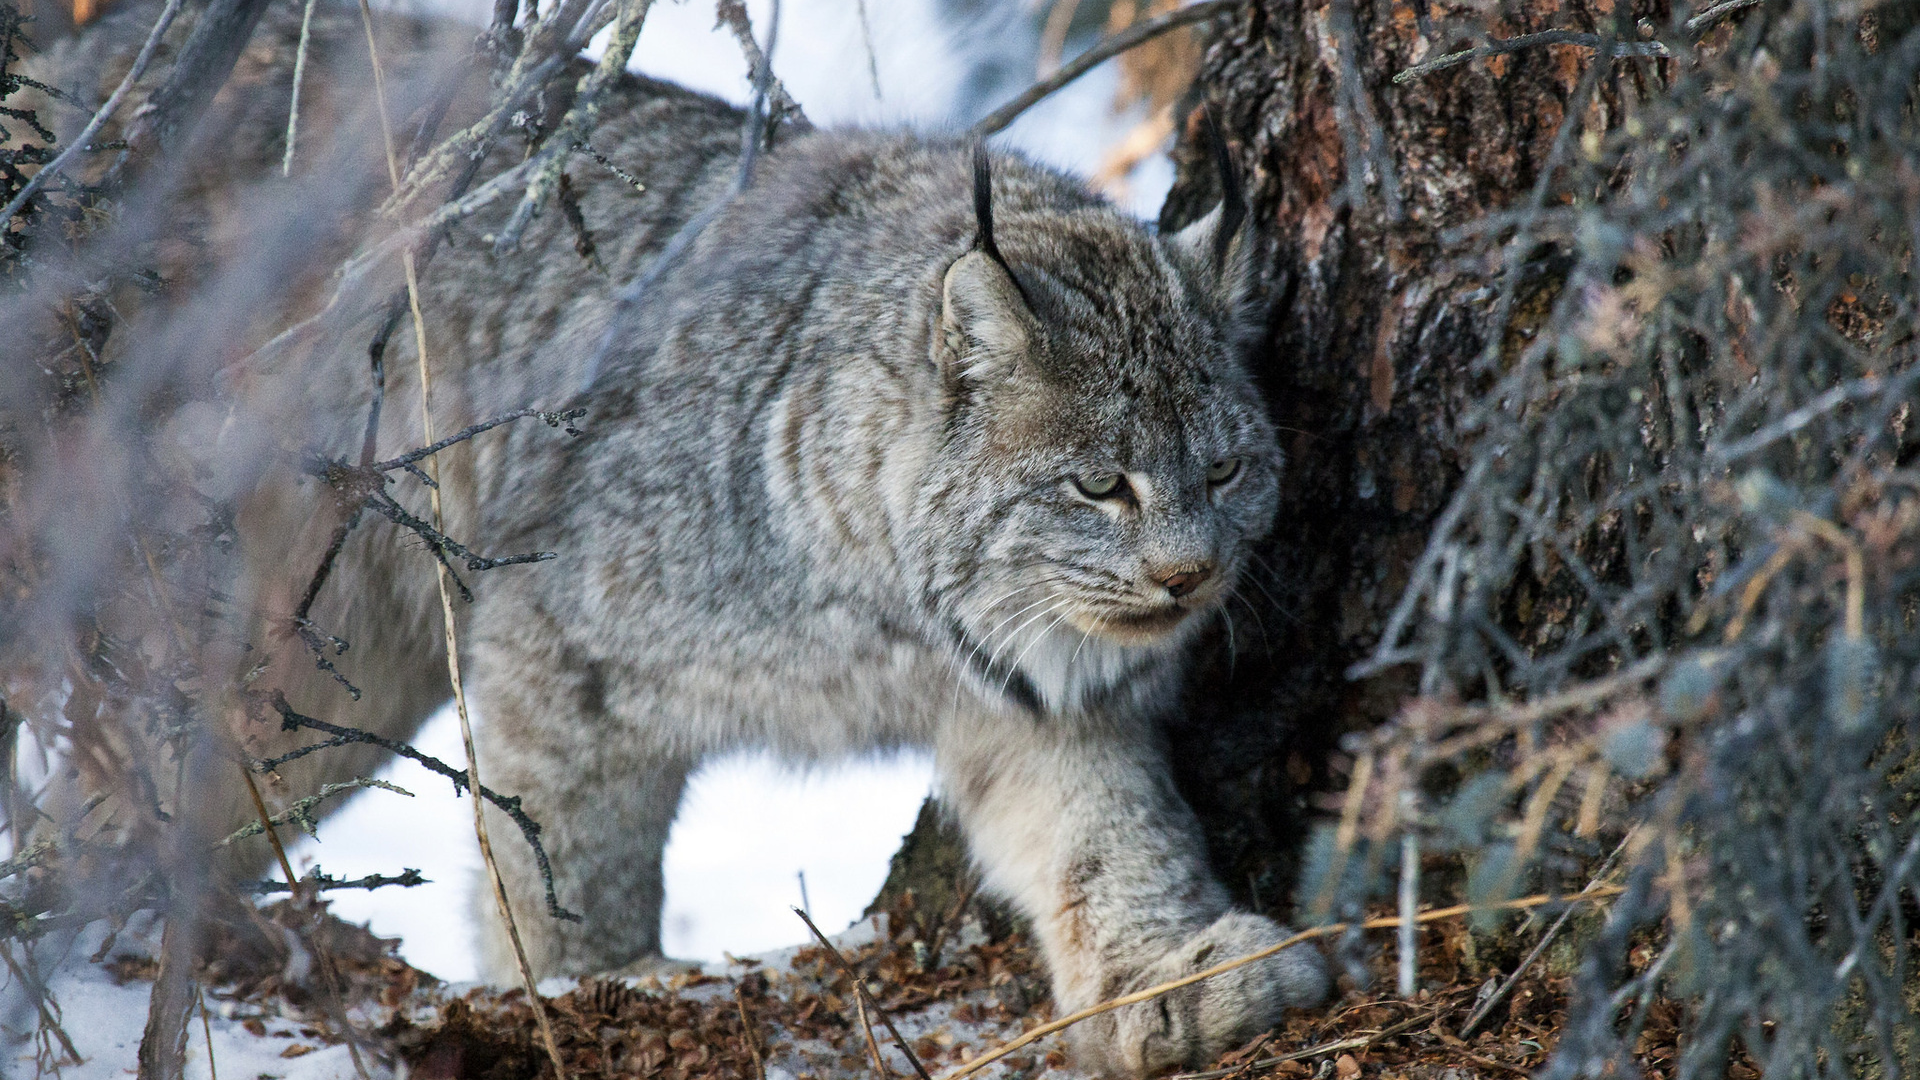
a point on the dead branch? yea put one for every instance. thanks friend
(342, 735)
(84, 141)
(199, 72)
(1502, 46)
(320, 882)
(1132, 37)
(860, 992)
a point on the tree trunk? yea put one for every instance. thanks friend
(1371, 355)
(1375, 331)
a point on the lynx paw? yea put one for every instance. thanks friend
(1196, 1023)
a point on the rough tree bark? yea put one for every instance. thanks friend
(1369, 359)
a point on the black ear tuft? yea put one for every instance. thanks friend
(1233, 202)
(983, 214)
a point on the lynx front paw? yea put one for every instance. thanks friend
(1196, 1023)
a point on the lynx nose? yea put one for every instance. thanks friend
(1182, 582)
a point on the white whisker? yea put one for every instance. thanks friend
(1233, 648)
(1264, 591)
(994, 656)
(1266, 644)
(1037, 639)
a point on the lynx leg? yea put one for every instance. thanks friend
(604, 795)
(1078, 822)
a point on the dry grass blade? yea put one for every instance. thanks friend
(1151, 992)
(1485, 1008)
(434, 489)
(746, 1034)
(860, 992)
(299, 73)
(206, 1031)
(866, 1032)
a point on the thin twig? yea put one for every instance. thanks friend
(553, 419)
(752, 129)
(860, 990)
(733, 15)
(1364, 142)
(342, 735)
(299, 71)
(266, 824)
(866, 1030)
(550, 43)
(578, 123)
(33, 986)
(1355, 1042)
(322, 960)
(1790, 424)
(1132, 37)
(1717, 12)
(221, 30)
(301, 812)
(607, 163)
(80, 143)
(1409, 958)
(319, 882)
(866, 39)
(441, 574)
(1492, 720)
(1500, 46)
(746, 1033)
(1493, 1000)
(206, 1026)
(1151, 992)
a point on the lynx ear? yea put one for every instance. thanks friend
(1218, 244)
(985, 323)
(985, 326)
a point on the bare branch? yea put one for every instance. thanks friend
(1132, 37)
(1502, 46)
(84, 140)
(342, 735)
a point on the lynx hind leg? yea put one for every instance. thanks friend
(603, 796)
(1081, 827)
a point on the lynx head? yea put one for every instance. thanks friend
(1113, 456)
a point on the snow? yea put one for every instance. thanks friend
(747, 828)
(105, 1022)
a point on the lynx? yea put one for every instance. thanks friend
(908, 448)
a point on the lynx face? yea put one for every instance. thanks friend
(1121, 455)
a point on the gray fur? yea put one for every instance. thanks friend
(824, 503)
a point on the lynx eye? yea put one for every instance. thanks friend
(1223, 470)
(1101, 485)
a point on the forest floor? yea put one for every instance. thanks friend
(787, 1015)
